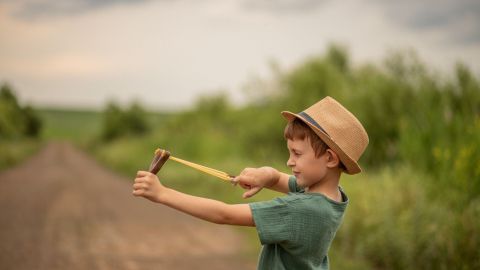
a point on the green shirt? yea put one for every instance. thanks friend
(296, 230)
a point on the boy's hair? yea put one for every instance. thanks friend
(297, 129)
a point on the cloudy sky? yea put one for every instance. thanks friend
(82, 53)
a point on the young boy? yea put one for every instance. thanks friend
(295, 230)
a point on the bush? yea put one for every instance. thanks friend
(16, 121)
(118, 123)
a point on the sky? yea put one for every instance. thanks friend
(167, 53)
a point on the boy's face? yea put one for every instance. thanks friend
(307, 168)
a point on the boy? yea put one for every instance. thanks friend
(296, 230)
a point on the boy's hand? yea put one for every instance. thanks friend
(254, 179)
(147, 185)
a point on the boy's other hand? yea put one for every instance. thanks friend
(254, 179)
(147, 185)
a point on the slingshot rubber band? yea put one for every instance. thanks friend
(216, 173)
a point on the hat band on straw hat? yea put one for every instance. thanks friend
(313, 122)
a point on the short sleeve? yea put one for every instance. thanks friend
(292, 184)
(273, 220)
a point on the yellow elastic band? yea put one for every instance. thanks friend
(216, 173)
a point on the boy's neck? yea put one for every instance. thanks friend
(328, 186)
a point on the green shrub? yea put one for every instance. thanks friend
(118, 123)
(16, 121)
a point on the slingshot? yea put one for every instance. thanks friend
(161, 156)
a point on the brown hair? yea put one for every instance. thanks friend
(297, 129)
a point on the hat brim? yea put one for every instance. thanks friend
(352, 167)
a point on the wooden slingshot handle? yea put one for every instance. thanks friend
(161, 156)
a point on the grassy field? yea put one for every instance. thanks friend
(78, 126)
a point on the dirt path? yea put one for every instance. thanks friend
(61, 210)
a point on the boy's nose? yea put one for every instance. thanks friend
(290, 162)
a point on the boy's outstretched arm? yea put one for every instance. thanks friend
(254, 179)
(148, 185)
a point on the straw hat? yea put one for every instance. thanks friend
(338, 128)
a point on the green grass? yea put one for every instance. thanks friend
(82, 127)
(393, 222)
(70, 125)
(79, 127)
(15, 151)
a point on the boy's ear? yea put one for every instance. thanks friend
(332, 159)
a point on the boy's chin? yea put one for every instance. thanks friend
(301, 182)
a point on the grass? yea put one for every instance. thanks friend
(16, 150)
(81, 127)
(57, 125)
(77, 126)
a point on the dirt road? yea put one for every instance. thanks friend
(61, 210)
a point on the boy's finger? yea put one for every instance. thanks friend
(139, 186)
(251, 192)
(140, 180)
(235, 181)
(243, 179)
(245, 186)
(137, 192)
(142, 173)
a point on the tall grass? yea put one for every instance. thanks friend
(392, 222)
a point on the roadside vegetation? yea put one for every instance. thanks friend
(20, 128)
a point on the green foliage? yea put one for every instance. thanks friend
(13, 151)
(113, 122)
(16, 121)
(118, 122)
(33, 124)
(399, 227)
(20, 127)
